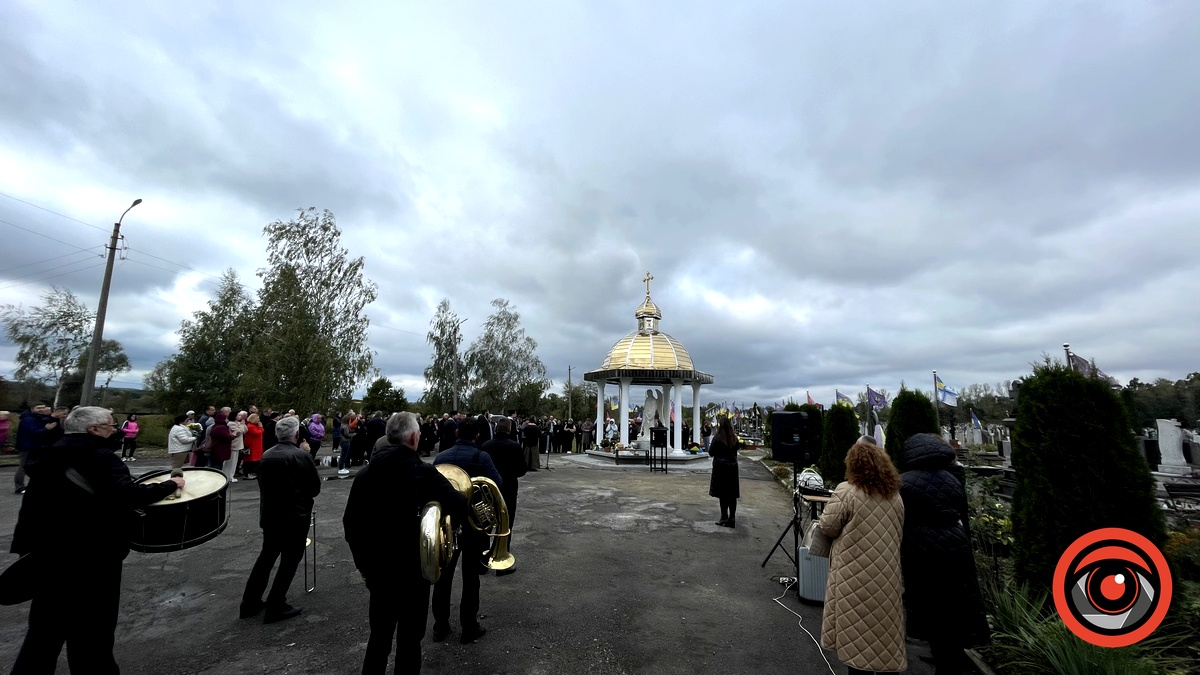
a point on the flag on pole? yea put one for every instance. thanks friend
(810, 398)
(875, 399)
(975, 421)
(945, 394)
(1085, 367)
(842, 399)
(778, 407)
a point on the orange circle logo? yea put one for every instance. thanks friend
(1112, 587)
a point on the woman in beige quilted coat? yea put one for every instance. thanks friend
(864, 609)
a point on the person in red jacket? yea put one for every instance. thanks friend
(254, 446)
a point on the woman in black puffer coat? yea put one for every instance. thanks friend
(941, 587)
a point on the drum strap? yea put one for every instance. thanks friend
(77, 478)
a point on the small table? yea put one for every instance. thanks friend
(813, 501)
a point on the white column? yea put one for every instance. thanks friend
(624, 421)
(695, 412)
(677, 400)
(599, 413)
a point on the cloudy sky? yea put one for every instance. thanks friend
(827, 194)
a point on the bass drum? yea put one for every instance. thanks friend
(189, 518)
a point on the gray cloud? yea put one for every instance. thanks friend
(826, 195)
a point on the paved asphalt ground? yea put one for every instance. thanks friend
(618, 571)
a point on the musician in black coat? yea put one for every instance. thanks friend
(288, 484)
(76, 519)
(471, 544)
(382, 529)
(509, 459)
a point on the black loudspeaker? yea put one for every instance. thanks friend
(658, 437)
(787, 437)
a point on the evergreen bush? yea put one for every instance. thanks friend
(840, 432)
(912, 413)
(1078, 468)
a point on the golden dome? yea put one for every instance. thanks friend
(648, 351)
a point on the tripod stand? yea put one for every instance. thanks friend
(793, 526)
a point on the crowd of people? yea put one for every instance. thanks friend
(900, 559)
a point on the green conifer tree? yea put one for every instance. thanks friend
(912, 413)
(840, 432)
(1078, 469)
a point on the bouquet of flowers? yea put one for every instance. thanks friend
(196, 429)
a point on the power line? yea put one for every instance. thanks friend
(19, 227)
(146, 264)
(76, 220)
(59, 268)
(38, 262)
(31, 281)
(172, 262)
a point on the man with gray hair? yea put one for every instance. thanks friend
(75, 520)
(382, 528)
(288, 483)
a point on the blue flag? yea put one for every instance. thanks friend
(875, 399)
(975, 421)
(842, 398)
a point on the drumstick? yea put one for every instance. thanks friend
(176, 473)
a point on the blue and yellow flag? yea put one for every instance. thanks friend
(842, 399)
(975, 421)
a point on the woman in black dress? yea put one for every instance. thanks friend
(724, 485)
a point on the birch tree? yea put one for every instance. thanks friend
(503, 361)
(446, 374)
(49, 338)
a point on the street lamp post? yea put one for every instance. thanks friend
(89, 376)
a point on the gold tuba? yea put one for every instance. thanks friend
(486, 512)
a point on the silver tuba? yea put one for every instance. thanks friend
(486, 512)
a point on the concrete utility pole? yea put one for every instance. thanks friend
(89, 375)
(456, 357)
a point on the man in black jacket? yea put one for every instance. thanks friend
(75, 519)
(471, 543)
(509, 459)
(288, 483)
(381, 523)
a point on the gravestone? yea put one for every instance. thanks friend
(1170, 445)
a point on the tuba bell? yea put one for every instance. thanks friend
(486, 512)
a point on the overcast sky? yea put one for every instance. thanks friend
(827, 194)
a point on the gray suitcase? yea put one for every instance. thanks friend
(812, 576)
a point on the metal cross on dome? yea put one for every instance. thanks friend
(648, 279)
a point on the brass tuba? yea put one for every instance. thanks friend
(486, 512)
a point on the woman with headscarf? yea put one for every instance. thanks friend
(864, 612)
(724, 484)
(941, 588)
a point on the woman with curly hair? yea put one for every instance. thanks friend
(864, 611)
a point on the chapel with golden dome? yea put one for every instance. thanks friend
(650, 357)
